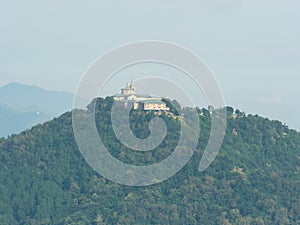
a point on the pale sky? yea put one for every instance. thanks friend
(251, 46)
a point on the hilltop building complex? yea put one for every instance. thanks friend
(142, 102)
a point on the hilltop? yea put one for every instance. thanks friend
(254, 179)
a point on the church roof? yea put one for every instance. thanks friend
(127, 88)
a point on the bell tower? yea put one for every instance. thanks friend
(129, 89)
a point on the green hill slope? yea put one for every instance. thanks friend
(254, 180)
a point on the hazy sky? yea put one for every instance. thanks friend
(252, 46)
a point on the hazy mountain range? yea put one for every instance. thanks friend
(22, 106)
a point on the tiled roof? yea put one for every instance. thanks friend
(152, 102)
(143, 96)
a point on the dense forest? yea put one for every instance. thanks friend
(255, 178)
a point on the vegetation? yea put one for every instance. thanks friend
(254, 180)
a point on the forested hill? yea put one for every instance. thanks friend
(254, 179)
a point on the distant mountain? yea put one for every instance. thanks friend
(254, 179)
(22, 106)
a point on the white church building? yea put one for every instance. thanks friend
(142, 102)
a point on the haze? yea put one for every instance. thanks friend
(251, 46)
